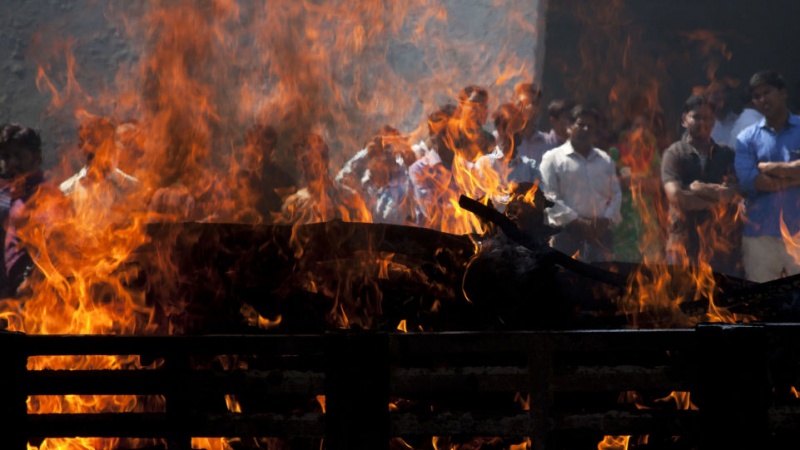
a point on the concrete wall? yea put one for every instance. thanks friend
(34, 33)
(99, 33)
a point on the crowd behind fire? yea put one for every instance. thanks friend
(719, 195)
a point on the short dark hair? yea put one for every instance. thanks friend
(314, 144)
(769, 77)
(503, 117)
(262, 135)
(696, 100)
(93, 133)
(532, 90)
(25, 137)
(583, 110)
(437, 120)
(559, 107)
(473, 94)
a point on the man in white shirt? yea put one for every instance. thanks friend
(532, 142)
(582, 182)
(99, 183)
(503, 169)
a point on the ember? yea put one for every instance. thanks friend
(306, 224)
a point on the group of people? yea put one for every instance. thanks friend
(22, 177)
(726, 194)
(735, 208)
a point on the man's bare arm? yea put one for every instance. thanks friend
(714, 192)
(768, 183)
(790, 170)
(684, 198)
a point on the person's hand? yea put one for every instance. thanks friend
(600, 225)
(696, 186)
(764, 166)
(581, 227)
(589, 228)
(770, 168)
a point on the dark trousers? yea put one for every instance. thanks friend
(588, 250)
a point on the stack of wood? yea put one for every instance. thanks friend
(318, 277)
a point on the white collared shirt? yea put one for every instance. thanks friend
(580, 187)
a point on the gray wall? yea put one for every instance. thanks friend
(398, 75)
(38, 33)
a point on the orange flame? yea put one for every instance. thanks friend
(614, 443)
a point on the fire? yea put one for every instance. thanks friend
(614, 443)
(166, 145)
(169, 143)
(792, 242)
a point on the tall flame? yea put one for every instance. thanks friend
(166, 143)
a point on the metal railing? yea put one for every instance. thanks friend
(739, 375)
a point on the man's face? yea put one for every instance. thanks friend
(16, 160)
(583, 130)
(477, 112)
(560, 125)
(769, 100)
(379, 171)
(699, 122)
(529, 108)
(312, 158)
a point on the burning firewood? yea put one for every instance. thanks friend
(776, 300)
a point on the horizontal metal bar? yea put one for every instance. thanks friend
(402, 381)
(401, 344)
(461, 424)
(421, 381)
(784, 418)
(157, 382)
(455, 343)
(157, 425)
(622, 422)
(619, 378)
(155, 346)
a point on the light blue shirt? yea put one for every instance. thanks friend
(758, 143)
(496, 174)
(537, 144)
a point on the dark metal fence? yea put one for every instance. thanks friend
(740, 377)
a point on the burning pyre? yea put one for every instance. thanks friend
(168, 230)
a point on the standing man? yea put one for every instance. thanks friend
(532, 142)
(700, 184)
(582, 182)
(768, 167)
(498, 172)
(558, 113)
(470, 140)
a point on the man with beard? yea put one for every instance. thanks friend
(700, 184)
(768, 167)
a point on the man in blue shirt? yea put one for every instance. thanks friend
(767, 165)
